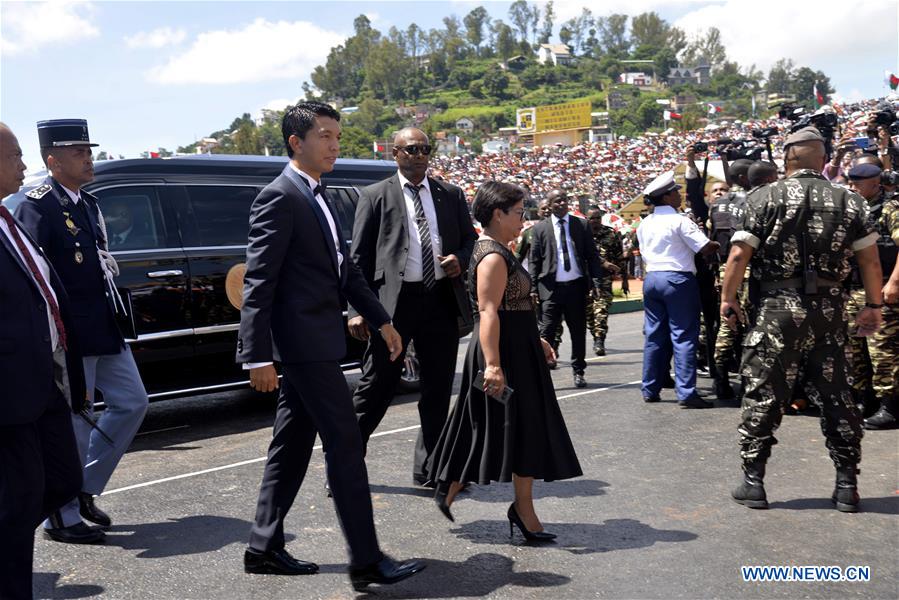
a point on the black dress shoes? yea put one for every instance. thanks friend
(79, 533)
(276, 562)
(667, 382)
(695, 402)
(386, 571)
(579, 380)
(90, 511)
(651, 399)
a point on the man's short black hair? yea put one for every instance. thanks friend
(492, 195)
(300, 118)
(760, 172)
(739, 167)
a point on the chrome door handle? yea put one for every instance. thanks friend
(161, 274)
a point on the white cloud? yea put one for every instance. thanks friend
(854, 95)
(261, 51)
(811, 33)
(27, 26)
(158, 38)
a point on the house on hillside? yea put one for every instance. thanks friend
(698, 75)
(638, 79)
(557, 54)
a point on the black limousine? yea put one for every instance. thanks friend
(182, 259)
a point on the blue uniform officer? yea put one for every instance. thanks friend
(67, 223)
(669, 242)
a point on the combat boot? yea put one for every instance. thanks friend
(751, 492)
(845, 493)
(721, 387)
(885, 418)
(599, 347)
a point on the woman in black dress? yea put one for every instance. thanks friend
(485, 439)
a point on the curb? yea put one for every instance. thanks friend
(626, 306)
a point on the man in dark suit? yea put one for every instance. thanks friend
(412, 239)
(564, 267)
(65, 220)
(42, 377)
(298, 269)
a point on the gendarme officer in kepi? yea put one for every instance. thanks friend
(798, 235)
(67, 223)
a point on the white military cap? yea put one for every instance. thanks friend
(661, 185)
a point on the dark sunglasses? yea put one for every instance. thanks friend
(424, 149)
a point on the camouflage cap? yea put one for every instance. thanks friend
(806, 134)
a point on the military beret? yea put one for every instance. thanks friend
(661, 185)
(864, 171)
(806, 134)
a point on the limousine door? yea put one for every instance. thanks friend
(143, 237)
(214, 221)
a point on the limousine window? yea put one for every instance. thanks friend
(133, 218)
(343, 200)
(221, 215)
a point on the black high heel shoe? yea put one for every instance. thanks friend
(531, 536)
(440, 498)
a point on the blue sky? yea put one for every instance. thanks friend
(162, 74)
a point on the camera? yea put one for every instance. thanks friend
(885, 116)
(764, 133)
(704, 146)
(889, 178)
(790, 111)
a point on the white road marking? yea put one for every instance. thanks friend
(161, 430)
(318, 447)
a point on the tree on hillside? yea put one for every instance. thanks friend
(803, 85)
(520, 15)
(613, 35)
(505, 39)
(649, 29)
(453, 42)
(475, 21)
(565, 35)
(496, 81)
(535, 23)
(386, 69)
(415, 39)
(780, 75)
(546, 31)
(342, 75)
(708, 47)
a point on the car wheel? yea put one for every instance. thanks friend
(410, 380)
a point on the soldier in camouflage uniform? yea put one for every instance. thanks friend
(611, 253)
(798, 234)
(875, 360)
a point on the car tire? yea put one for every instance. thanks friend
(410, 379)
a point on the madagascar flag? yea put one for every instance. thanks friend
(668, 115)
(891, 80)
(819, 98)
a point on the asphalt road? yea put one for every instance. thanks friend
(650, 518)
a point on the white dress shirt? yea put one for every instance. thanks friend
(575, 270)
(412, 268)
(669, 241)
(321, 203)
(44, 269)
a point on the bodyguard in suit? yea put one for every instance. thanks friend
(412, 239)
(298, 270)
(65, 221)
(564, 266)
(42, 383)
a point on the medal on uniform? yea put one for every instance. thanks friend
(79, 257)
(70, 225)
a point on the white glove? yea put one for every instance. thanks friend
(109, 263)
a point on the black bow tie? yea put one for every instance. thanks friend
(319, 190)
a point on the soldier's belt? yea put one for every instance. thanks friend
(796, 283)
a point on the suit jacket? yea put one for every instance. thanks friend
(293, 290)
(26, 356)
(543, 262)
(381, 238)
(69, 235)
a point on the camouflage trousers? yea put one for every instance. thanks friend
(875, 359)
(728, 341)
(796, 333)
(598, 311)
